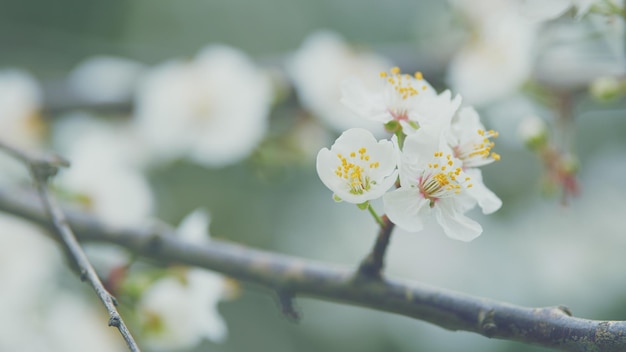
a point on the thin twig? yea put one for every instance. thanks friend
(42, 168)
(553, 327)
(371, 267)
(285, 300)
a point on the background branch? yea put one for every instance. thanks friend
(550, 326)
(42, 168)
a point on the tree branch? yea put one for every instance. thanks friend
(372, 266)
(42, 168)
(550, 326)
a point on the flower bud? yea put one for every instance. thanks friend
(533, 131)
(605, 88)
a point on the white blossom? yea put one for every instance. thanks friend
(178, 312)
(432, 183)
(358, 168)
(319, 66)
(497, 56)
(103, 176)
(20, 122)
(409, 100)
(20, 102)
(32, 302)
(471, 143)
(572, 54)
(532, 129)
(213, 109)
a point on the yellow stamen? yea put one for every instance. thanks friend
(355, 172)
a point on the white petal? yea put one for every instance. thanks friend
(207, 289)
(317, 69)
(20, 99)
(194, 228)
(487, 200)
(466, 123)
(364, 103)
(454, 223)
(406, 208)
(384, 152)
(195, 108)
(418, 151)
(375, 192)
(325, 166)
(439, 110)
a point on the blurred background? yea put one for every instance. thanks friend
(124, 89)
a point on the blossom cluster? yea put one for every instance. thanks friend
(433, 157)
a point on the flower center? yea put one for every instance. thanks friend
(403, 83)
(354, 169)
(399, 114)
(480, 149)
(442, 179)
(404, 86)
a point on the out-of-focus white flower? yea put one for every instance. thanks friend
(358, 168)
(32, 303)
(409, 100)
(573, 53)
(102, 173)
(317, 69)
(20, 101)
(606, 88)
(105, 79)
(179, 312)
(432, 182)
(28, 263)
(86, 332)
(309, 137)
(213, 109)
(497, 56)
(20, 122)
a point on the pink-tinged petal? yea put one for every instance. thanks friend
(454, 223)
(406, 208)
(487, 200)
(418, 152)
